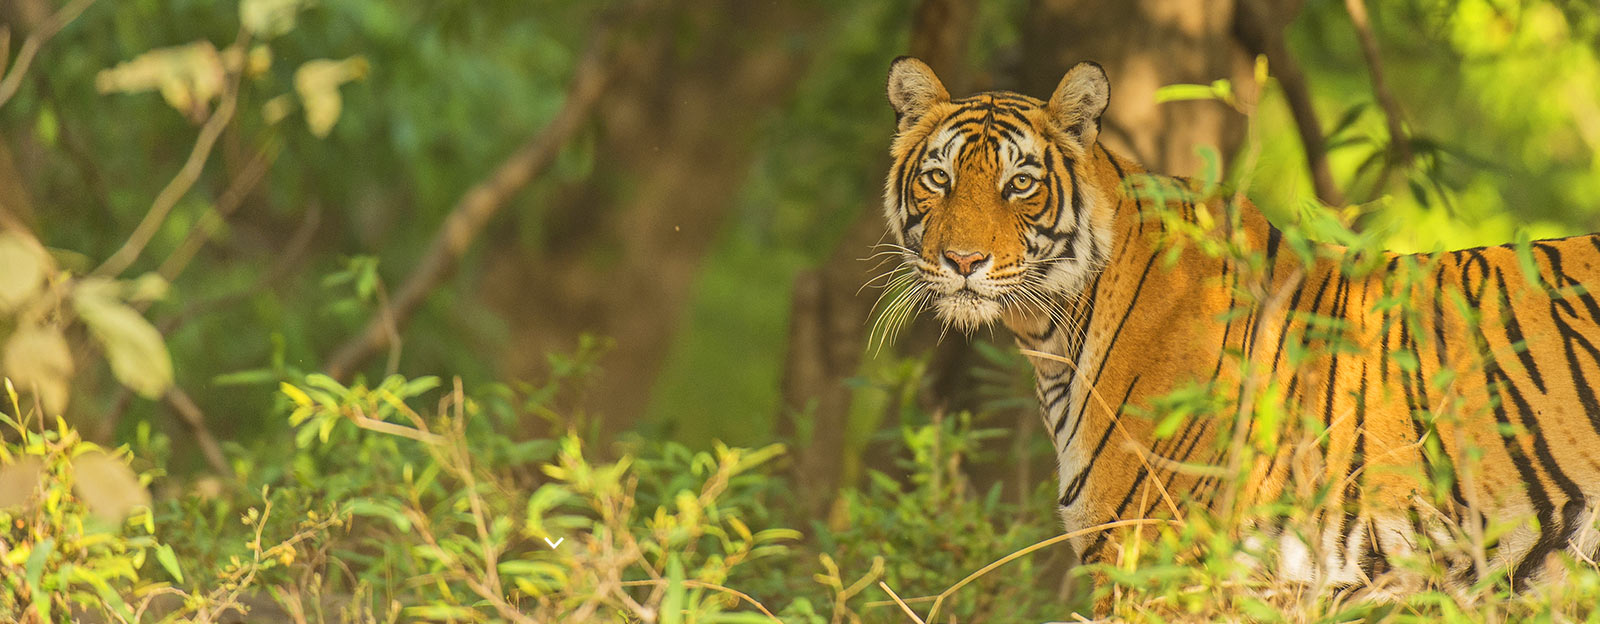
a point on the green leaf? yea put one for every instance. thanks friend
(169, 562)
(751, 459)
(324, 382)
(1348, 119)
(1211, 173)
(1418, 192)
(1524, 250)
(1169, 424)
(419, 385)
(672, 605)
(139, 357)
(33, 570)
(534, 577)
(380, 509)
(325, 428)
(547, 497)
(1181, 92)
(255, 377)
(48, 127)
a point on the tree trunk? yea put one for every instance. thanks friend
(617, 256)
(1143, 46)
(827, 319)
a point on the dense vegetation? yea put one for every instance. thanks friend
(478, 311)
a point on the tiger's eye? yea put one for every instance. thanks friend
(937, 178)
(1022, 183)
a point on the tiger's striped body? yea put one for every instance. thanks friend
(1462, 352)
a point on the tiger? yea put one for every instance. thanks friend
(1003, 208)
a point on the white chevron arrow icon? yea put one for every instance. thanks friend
(555, 543)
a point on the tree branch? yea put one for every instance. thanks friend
(181, 183)
(195, 420)
(36, 40)
(473, 210)
(232, 197)
(1399, 140)
(1263, 34)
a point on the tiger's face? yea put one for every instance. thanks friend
(989, 198)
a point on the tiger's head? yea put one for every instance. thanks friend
(996, 199)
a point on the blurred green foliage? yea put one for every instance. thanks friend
(1497, 97)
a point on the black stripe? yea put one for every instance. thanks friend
(1075, 486)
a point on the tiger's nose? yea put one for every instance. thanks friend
(965, 263)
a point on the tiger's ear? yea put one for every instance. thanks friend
(1079, 101)
(913, 89)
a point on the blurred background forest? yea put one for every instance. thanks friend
(664, 205)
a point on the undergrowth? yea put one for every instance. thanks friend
(407, 501)
(383, 510)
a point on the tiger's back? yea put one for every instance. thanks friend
(1437, 388)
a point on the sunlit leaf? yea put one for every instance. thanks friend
(145, 288)
(139, 357)
(25, 270)
(188, 76)
(295, 394)
(277, 108)
(108, 596)
(38, 359)
(317, 82)
(1181, 92)
(269, 18)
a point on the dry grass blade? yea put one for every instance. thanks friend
(903, 607)
(713, 587)
(1161, 486)
(939, 600)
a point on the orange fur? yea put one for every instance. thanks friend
(1383, 361)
